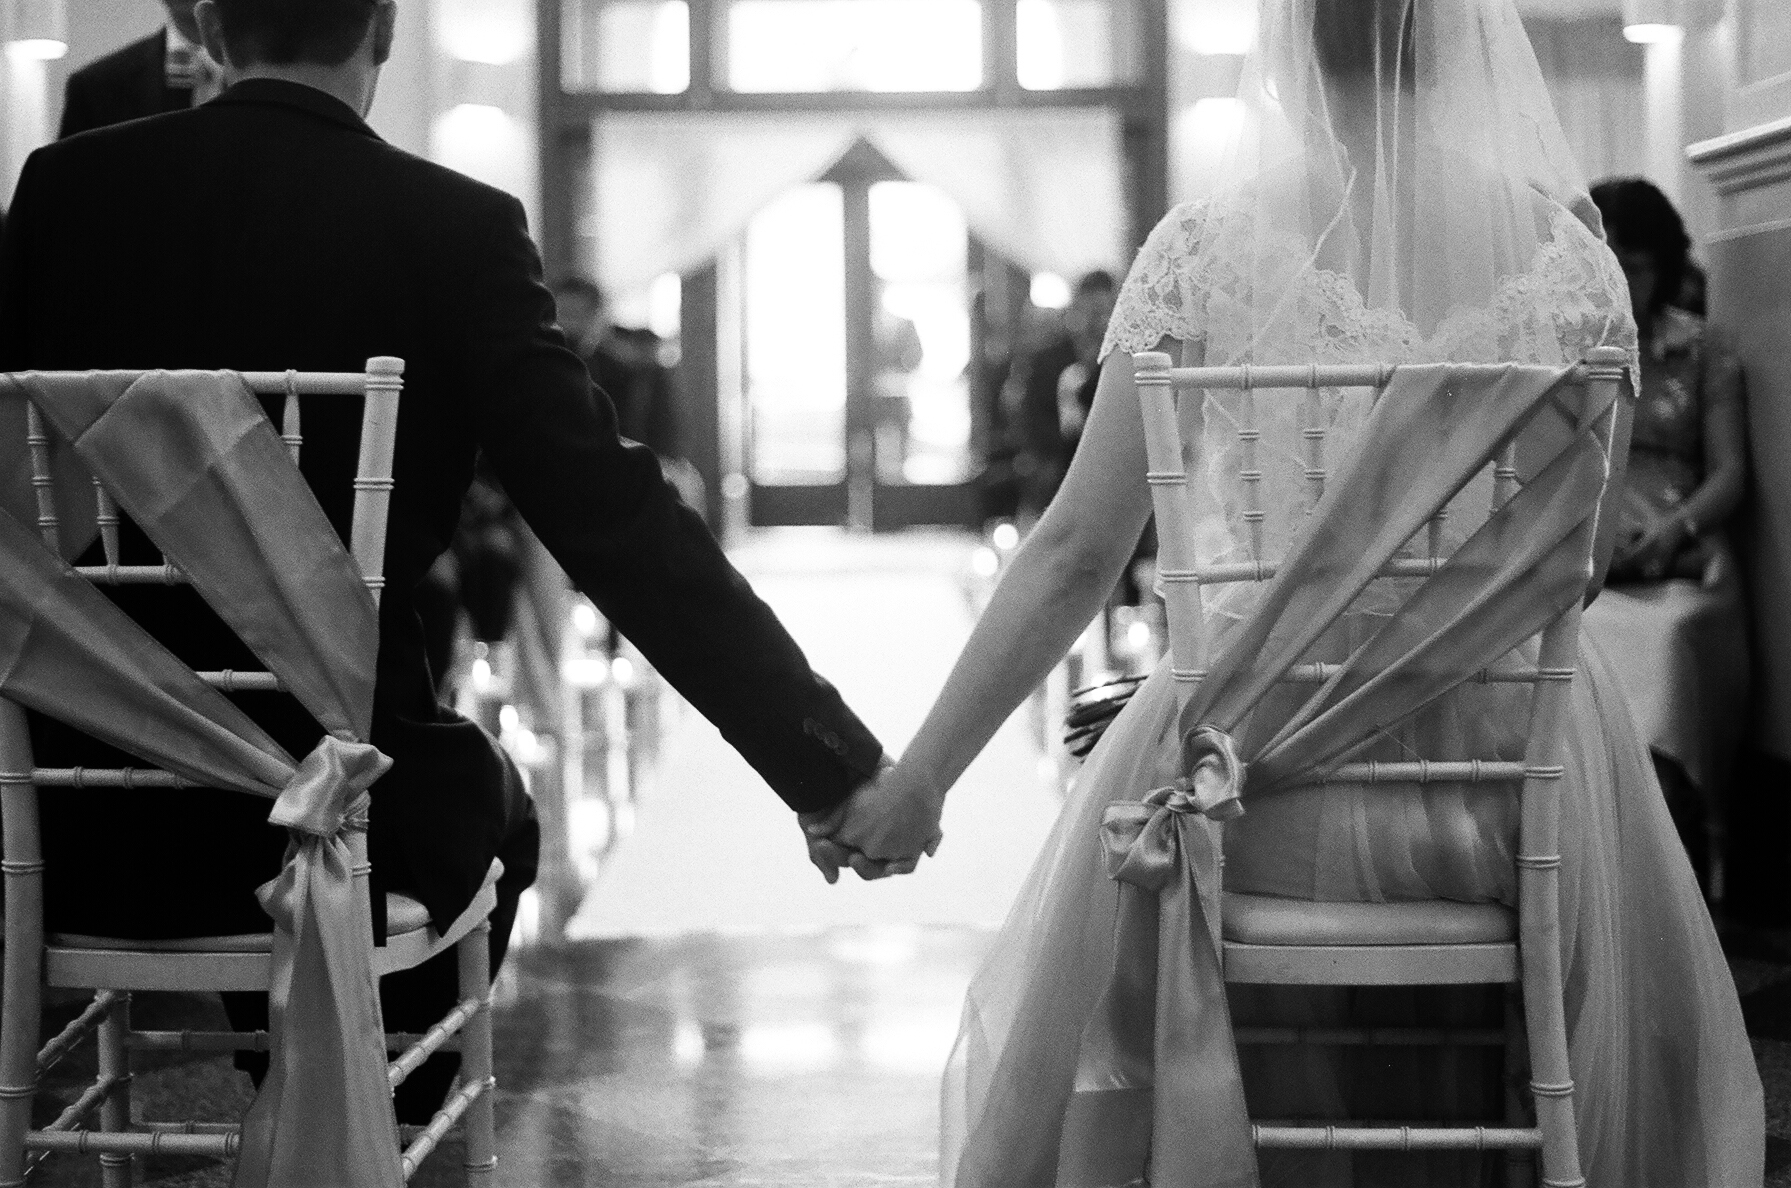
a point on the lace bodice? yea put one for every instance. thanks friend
(1194, 277)
(1193, 282)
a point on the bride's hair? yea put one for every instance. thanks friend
(1366, 40)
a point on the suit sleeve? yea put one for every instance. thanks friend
(603, 509)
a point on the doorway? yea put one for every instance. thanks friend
(855, 339)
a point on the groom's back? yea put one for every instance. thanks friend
(271, 230)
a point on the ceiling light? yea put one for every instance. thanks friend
(37, 49)
(1649, 33)
(39, 30)
(1653, 22)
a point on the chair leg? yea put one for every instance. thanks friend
(1551, 1085)
(474, 952)
(19, 1023)
(21, 966)
(115, 1111)
(1520, 1165)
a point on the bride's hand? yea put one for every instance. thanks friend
(883, 828)
(895, 817)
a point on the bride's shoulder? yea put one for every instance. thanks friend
(1179, 232)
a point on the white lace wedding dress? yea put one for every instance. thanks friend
(1667, 1096)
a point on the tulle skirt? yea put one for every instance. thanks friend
(1667, 1091)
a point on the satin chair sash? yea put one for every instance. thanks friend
(191, 457)
(194, 461)
(1157, 1082)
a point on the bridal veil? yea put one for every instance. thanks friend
(1398, 190)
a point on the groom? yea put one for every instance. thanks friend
(271, 228)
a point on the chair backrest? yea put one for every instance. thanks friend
(1597, 382)
(1182, 576)
(380, 384)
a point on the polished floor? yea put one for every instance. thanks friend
(722, 1062)
(736, 1062)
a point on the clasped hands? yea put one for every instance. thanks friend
(883, 828)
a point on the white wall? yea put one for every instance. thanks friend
(1597, 81)
(420, 89)
(33, 90)
(485, 120)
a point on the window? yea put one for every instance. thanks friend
(854, 45)
(795, 289)
(1063, 44)
(626, 46)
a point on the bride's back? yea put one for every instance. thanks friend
(1399, 192)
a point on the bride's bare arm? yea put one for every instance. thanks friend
(1056, 583)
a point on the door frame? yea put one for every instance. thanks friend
(568, 117)
(861, 500)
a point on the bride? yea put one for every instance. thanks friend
(1399, 191)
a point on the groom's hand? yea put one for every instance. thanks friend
(829, 856)
(881, 829)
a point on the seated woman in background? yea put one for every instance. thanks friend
(1673, 620)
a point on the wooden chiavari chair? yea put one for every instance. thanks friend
(113, 968)
(1269, 940)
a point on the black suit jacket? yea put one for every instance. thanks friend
(126, 84)
(299, 239)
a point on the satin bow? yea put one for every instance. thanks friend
(1141, 838)
(331, 1041)
(328, 791)
(1167, 993)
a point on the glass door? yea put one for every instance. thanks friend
(794, 343)
(856, 340)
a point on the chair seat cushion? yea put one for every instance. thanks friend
(404, 915)
(1274, 920)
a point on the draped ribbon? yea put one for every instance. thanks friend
(1157, 1082)
(315, 958)
(191, 457)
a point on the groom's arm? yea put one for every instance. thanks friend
(607, 515)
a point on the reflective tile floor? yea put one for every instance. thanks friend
(794, 1061)
(712, 1061)
(733, 1061)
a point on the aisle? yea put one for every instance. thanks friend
(730, 1062)
(714, 851)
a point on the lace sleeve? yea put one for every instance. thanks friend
(1592, 302)
(1157, 300)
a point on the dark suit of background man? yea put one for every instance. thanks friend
(307, 242)
(166, 71)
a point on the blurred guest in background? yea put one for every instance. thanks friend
(1691, 295)
(166, 71)
(896, 354)
(1050, 390)
(626, 363)
(1673, 617)
(991, 360)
